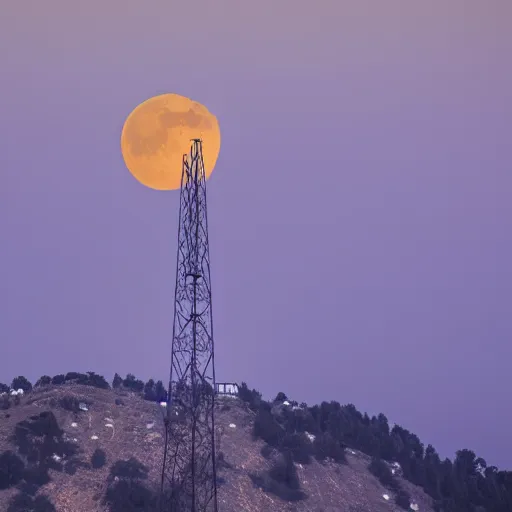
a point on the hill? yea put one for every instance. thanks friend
(78, 445)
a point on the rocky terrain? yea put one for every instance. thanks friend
(76, 448)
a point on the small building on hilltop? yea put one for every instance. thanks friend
(226, 388)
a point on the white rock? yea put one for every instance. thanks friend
(83, 407)
(109, 425)
(74, 424)
(286, 402)
(232, 425)
(163, 404)
(109, 420)
(150, 425)
(56, 458)
(386, 497)
(311, 437)
(94, 437)
(414, 506)
(352, 452)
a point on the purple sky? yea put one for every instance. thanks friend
(360, 209)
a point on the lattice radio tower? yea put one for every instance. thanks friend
(189, 473)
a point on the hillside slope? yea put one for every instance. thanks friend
(57, 456)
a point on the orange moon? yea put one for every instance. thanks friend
(157, 133)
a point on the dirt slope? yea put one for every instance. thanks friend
(124, 426)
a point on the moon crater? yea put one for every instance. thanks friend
(157, 134)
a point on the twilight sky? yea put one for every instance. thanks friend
(360, 209)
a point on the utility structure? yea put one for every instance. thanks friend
(189, 475)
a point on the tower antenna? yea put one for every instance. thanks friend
(189, 480)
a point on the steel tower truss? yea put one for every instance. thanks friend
(189, 473)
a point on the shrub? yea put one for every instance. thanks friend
(70, 403)
(299, 446)
(36, 477)
(281, 397)
(380, 469)
(281, 480)
(98, 459)
(266, 428)
(131, 469)
(129, 496)
(72, 466)
(325, 446)
(266, 451)
(403, 499)
(127, 493)
(26, 503)
(11, 469)
(222, 462)
(284, 471)
(4, 388)
(5, 402)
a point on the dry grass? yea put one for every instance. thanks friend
(329, 487)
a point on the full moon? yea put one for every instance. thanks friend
(157, 134)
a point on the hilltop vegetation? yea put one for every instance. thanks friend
(293, 435)
(466, 484)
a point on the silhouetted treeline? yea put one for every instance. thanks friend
(466, 484)
(86, 379)
(151, 390)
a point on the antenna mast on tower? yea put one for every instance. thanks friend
(189, 473)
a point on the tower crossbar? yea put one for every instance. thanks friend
(189, 473)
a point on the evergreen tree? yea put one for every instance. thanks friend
(21, 383)
(133, 384)
(117, 382)
(160, 391)
(45, 380)
(150, 390)
(465, 485)
(58, 379)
